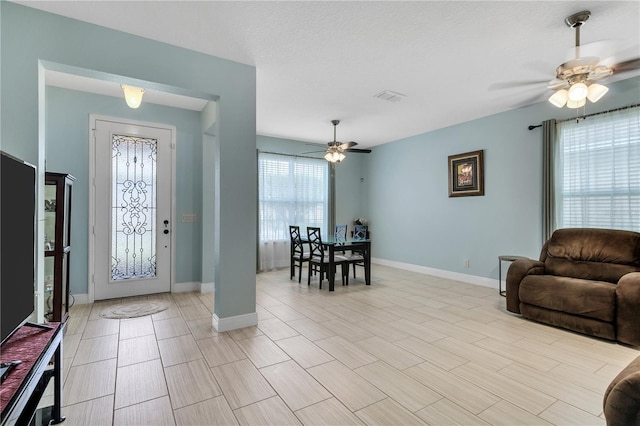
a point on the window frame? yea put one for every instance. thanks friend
(302, 216)
(597, 168)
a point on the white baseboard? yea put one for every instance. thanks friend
(83, 298)
(80, 299)
(193, 286)
(233, 323)
(441, 273)
(185, 287)
(207, 287)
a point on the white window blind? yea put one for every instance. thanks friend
(598, 172)
(291, 191)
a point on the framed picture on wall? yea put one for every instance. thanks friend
(466, 174)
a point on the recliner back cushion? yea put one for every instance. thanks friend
(592, 254)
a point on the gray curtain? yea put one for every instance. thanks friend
(332, 200)
(548, 192)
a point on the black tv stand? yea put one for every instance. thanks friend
(42, 326)
(22, 390)
(6, 367)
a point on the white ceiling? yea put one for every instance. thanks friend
(316, 61)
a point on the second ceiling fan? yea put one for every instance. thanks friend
(335, 151)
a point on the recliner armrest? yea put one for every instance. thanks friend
(622, 398)
(627, 308)
(517, 271)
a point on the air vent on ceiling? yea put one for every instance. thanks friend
(388, 95)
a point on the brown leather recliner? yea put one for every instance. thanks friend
(587, 280)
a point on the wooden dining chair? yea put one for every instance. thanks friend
(319, 260)
(340, 233)
(360, 232)
(298, 253)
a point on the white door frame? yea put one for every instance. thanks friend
(92, 194)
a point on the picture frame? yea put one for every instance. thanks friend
(50, 205)
(466, 174)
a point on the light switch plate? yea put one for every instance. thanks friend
(189, 218)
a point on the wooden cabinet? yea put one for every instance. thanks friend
(57, 228)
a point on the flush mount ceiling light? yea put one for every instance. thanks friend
(133, 95)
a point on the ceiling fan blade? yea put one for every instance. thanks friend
(514, 84)
(530, 100)
(313, 152)
(598, 49)
(556, 84)
(629, 65)
(348, 145)
(365, 151)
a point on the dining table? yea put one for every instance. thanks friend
(341, 244)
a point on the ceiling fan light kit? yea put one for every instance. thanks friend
(559, 98)
(578, 91)
(334, 156)
(576, 104)
(596, 91)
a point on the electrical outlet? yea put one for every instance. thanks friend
(466, 263)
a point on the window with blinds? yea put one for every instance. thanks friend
(292, 191)
(597, 172)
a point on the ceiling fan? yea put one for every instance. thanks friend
(335, 151)
(576, 79)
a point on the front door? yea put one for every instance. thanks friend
(132, 213)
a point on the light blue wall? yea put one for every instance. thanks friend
(351, 189)
(32, 40)
(415, 222)
(67, 151)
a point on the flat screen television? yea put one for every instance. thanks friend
(18, 243)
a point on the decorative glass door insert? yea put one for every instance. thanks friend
(133, 214)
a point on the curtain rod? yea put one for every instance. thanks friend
(290, 155)
(591, 115)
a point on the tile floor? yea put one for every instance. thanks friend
(409, 349)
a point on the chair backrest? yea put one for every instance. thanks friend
(340, 233)
(315, 241)
(360, 232)
(592, 253)
(296, 241)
